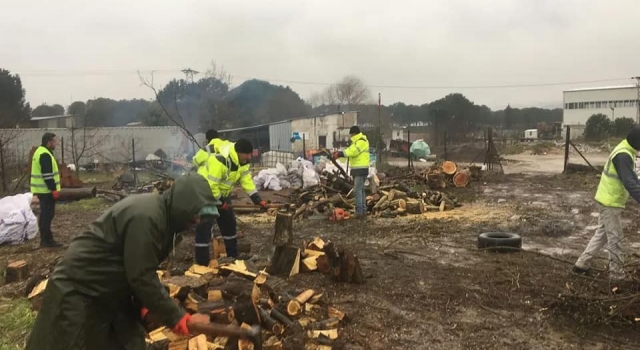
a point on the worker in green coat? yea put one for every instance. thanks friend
(95, 295)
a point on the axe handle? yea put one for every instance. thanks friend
(215, 330)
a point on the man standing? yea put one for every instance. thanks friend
(358, 154)
(618, 181)
(45, 183)
(224, 170)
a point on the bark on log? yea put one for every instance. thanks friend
(270, 323)
(329, 323)
(395, 194)
(285, 261)
(283, 226)
(73, 194)
(281, 317)
(344, 265)
(17, 271)
(415, 207)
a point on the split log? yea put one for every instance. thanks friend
(344, 265)
(396, 194)
(461, 178)
(382, 200)
(416, 207)
(17, 271)
(309, 264)
(300, 211)
(290, 304)
(284, 225)
(270, 323)
(285, 261)
(336, 200)
(187, 284)
(449, 167)
(198, 343)
(281, 317)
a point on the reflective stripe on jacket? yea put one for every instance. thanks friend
(223, 171)
(38, 184)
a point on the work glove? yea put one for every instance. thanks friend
(263, 205)
(181, 327)
(336, 155)
(56, 195)
(226, 203)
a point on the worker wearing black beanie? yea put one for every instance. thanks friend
(619, 180)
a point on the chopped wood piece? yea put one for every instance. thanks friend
(305, 296)
(198, 343)
(201, 270)
(17, 271)
(157, 335)
(214, 295)
(179, 345)
(317, 244)
(187, 284)
(311, 252)
(333, 312)
(309, 264)
(270, 323)
(280, 317)
(323, 264)
(331, 333)
(261, 278)
(416, 207)
(219, 249)
(272, 344)
(285, 261)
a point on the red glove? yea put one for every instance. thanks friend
(56, 195)
(181, 327)
(225, 206)
(263, 204)
(143, 312)
(336, 155)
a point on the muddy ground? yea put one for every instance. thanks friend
(429, 287)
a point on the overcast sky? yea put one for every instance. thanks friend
(75, 50)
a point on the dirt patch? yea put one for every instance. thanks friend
(429, 287)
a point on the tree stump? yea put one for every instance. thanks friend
(449, 167)
(17, 271)
(461, 178)
(284, 225)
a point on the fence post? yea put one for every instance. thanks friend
(133, 151)
(304, 146)
(62, 148)
(566, 149)
(409, 147)
(4, 176)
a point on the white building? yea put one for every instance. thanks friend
(613, 101)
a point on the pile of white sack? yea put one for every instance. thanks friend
(301, 173)
(17, 221)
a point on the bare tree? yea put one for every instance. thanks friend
(177, 119)
(349, 91)
(10, 157)
(219, 73)
(85, 141)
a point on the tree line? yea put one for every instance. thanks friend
(199, 104)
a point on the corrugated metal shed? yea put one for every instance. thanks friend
(280, 136)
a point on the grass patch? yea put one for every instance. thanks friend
(15, 324)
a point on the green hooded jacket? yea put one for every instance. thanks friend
(89, 300)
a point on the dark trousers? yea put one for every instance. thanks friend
(228, 229)
(47, 212)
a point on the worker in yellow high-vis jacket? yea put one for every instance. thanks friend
(45, 184)
(358, 154)
(214, 144)
(618, 181)
(223, 171)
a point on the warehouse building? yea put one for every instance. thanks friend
(613, 101)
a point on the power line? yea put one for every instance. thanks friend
(61, 73)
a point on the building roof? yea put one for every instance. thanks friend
(35, 119)
(284, 121)
(603, 88)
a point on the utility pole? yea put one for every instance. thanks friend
(189, 73)
(379, 155)
(637, 78)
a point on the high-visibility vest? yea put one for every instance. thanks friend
(223, 171)
(358, 152)
(611, 191)
(37, 177)
(214, 146)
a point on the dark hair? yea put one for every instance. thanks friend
(243, 146)
(48, 136)
(211, 134)
(354, 130)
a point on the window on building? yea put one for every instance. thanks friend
(592, 104)
(580, 105)
(598, 104)
(605, 104)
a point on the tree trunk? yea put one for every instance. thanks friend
(449, 168)
(72, 194)
(461, 178)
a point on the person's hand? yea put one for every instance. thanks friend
(336, 155)
(200, 318)
(181, 327)
(225, 206)
(263, 205)
(56, 195)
